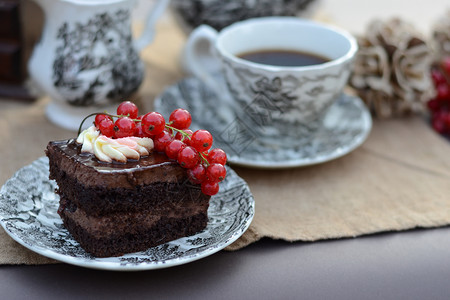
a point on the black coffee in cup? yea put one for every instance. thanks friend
(286, 58)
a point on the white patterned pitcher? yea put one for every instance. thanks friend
(87, 59)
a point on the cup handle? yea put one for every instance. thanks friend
(149, 29)
(200, 59)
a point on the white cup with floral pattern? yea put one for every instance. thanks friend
(278, 100)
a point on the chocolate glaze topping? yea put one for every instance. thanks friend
(91, 171)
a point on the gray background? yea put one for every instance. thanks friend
(408, 265)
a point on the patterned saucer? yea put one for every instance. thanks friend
(28, 213)
(343, 128)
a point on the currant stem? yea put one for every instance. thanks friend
(85, 118)
(205, 161)
(185, 135)
(121, 116)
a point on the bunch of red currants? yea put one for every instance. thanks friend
(439, 106)
(192, 150)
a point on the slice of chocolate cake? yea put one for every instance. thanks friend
(114, 208)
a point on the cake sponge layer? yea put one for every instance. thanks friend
(133, 238)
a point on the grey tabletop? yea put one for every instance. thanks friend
(408, 265)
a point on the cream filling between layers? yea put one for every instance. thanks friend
(107, 149)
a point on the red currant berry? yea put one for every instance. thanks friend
(433, 105)
(173, 148)
(445, 64)
(438, 124)
(446, 120)
(197, 174)
(443, 91)
(188, 157)
(128, 108)
(217, 155)
(437, 77)
(99, 118)
(201, 140)
(140, 131)
(180, 119)
(153, 123)
(215, 172)
(184, 138)
(210, 188)
(161, 141)
(124, 127)
(106, 127)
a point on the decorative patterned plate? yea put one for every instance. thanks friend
(343, 128)
(28, 213)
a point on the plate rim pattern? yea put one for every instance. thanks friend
(11, 216)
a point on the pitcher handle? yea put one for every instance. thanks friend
(149, 29)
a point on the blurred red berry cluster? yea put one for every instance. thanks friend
(439, 106)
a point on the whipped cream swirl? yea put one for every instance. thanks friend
(107, 149)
